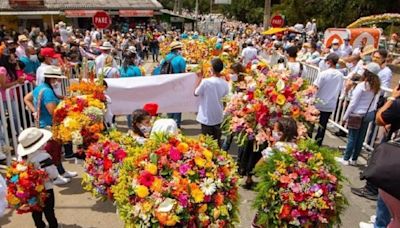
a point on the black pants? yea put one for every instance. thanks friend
(248, 158)
(48, 211)
(323, 122)
(213, 131)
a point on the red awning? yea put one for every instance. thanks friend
(136, 13)
(80, 13)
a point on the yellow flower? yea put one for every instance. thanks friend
(224, 210)
(183, 147)
(142, 191)
(198, 195)
(319, 156)
(281, 99)
(200, 162)
(216, 213)
(147, 206)
(151, 168)
(207, 154)
(39, 188)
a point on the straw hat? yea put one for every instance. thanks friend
(176, 45)
(106, 46)
(369, 49)
(132, 49)
(53, 72)
(22, 38)
(32, 139)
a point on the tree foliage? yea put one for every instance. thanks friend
(329, 13)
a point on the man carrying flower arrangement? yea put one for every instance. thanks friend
(211, 91)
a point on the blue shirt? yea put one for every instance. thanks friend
(178, 62)
(48, 97)
(30, 66)
(130, 71)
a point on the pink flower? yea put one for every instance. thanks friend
(183, 200)
(174, 154)
(183, 169)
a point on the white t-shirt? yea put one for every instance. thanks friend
(39, 156)
(362, 100)
(211, 91)
(386, 77)
(40, 73)
(329, 83)
(294, 68)
(3, 195)
(249, 53)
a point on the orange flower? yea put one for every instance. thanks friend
(183, 147)
(202, 208)
(295, 111)
(157, 185)
(219, 199)
(284, 179)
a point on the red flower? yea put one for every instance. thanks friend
(174, 154)
(107, 164)
(120, 155)
(250, 95)
(285, 211)
(146, 179)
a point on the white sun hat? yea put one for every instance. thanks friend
(32, 139)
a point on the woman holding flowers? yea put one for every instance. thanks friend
(42, 102)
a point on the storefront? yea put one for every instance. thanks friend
(19, 15)
(175, 21)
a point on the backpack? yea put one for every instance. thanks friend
(166, 66)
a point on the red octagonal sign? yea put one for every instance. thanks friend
(101, 20)
(277, 21)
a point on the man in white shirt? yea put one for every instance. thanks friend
(335, 47)
(49, 58)
(329, 84)
(346, 49)
(249, 53)
(211, 91)
(100, 60)
(385, 75)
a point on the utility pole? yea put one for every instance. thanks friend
(180, 2)
(211, 6)
(267, 13)
(197, 13)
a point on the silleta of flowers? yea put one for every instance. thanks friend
(102, 164)
(265, 97)
(177, 181)
(79, 117)
(25, 187)
(300, 188)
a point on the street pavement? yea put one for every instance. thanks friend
(76, 208)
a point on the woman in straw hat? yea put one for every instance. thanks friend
(32, 142)
(42, 102)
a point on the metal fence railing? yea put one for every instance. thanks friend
(336, 120)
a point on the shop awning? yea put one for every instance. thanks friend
(136, 13)
(27, 13)
(79, 13)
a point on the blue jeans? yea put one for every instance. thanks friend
(383, 216)
(177, 117)
(356, 138)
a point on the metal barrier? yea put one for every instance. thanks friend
(310, 72)
(19, 117)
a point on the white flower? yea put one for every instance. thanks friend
(208, 187)
(77, 138)
(21, 168)
(166, 206)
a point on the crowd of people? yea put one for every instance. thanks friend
(353, 73)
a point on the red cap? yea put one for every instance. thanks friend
(151, 108)
(49, 52)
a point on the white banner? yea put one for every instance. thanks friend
(172, 93)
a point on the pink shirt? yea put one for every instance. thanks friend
(3, 73)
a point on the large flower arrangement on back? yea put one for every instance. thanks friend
(300, 187)
(79, 117)
(25, 187)
(266, 97)
(177, 181)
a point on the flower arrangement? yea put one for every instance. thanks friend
(300, 187)
(88, 88)
(265, 97)
(178, 181)
(102, 164)
(79, 119)
(25, 187)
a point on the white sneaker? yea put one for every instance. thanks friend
(366, 225)
(2, 156)
(69, 174)
(352, 162)
(372, 219)
(61, 180)
(342, 161)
